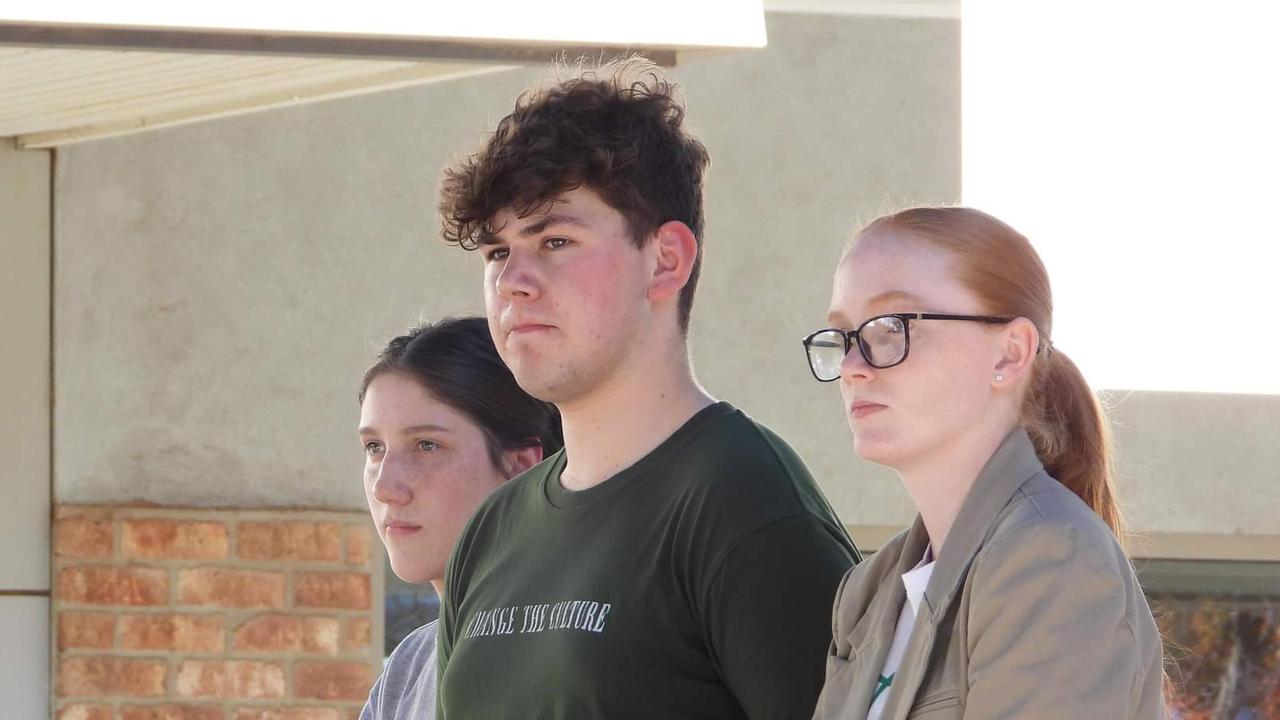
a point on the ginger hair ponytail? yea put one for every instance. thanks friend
(1071, 434)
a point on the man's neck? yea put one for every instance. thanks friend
(627, 418)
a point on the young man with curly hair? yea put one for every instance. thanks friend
(676, 559)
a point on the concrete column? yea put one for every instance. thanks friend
(25, 435)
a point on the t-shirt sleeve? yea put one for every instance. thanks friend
(446, 628)
(372, 709)
(448, 616)
(387, 697)
(768, 615)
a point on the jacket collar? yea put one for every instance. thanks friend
(1012, 464)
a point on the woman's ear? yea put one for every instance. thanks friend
(1018, 344)
(517, 460)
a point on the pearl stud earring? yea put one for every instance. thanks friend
(999, 377)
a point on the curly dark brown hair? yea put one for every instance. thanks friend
(617, 129)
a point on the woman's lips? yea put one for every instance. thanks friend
(863, 409)
(401, 529)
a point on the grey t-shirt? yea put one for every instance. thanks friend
(406, 689)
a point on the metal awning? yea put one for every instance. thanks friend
(64, 82)
(53, 96)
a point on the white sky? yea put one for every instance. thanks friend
(1137, 144)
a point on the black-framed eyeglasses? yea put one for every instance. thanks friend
(883, 340)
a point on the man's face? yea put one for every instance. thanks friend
(566, 295)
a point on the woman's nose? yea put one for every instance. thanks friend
(389, 482)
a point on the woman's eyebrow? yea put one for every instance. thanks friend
(409, 430)
(895, 296)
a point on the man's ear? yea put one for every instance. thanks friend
(517, 460)
(675, 250)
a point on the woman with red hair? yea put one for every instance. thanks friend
(1010, 596)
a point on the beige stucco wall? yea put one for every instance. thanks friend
(221, 286)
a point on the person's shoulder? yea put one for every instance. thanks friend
(745, 452)
(413, 653)
(422, 641)
(1045, 512)
(519, 489)
(496, 511)
(1049, 529)
(734, 484)
(740, 477)
(1054, 547)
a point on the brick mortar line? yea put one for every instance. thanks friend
(301, 611)
(108, 653)
(171, 679)
(114, 700)
(233, 541)
(230, 563)
(131, 512)
(204, 655)
(117, 540)
(117, 700)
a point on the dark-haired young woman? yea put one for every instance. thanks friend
(443, 423)
(1010, 596)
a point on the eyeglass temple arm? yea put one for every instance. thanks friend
(992, 319)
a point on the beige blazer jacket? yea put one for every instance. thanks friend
(1032, 611)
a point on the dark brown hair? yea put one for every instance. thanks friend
(455, 360)
(617, 129)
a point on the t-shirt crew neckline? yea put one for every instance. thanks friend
(562, 498)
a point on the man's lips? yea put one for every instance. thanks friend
(529, 327)
(862, 408)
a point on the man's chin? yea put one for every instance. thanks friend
(536, 385)
(557, 390)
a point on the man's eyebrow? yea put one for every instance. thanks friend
(551, 220)
(487, 237)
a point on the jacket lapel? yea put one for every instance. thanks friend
(872, 636)
(1012, 464)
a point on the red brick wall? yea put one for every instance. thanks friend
(177, 614)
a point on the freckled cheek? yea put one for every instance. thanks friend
(440, 479)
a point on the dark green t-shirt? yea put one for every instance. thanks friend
(695, 584)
